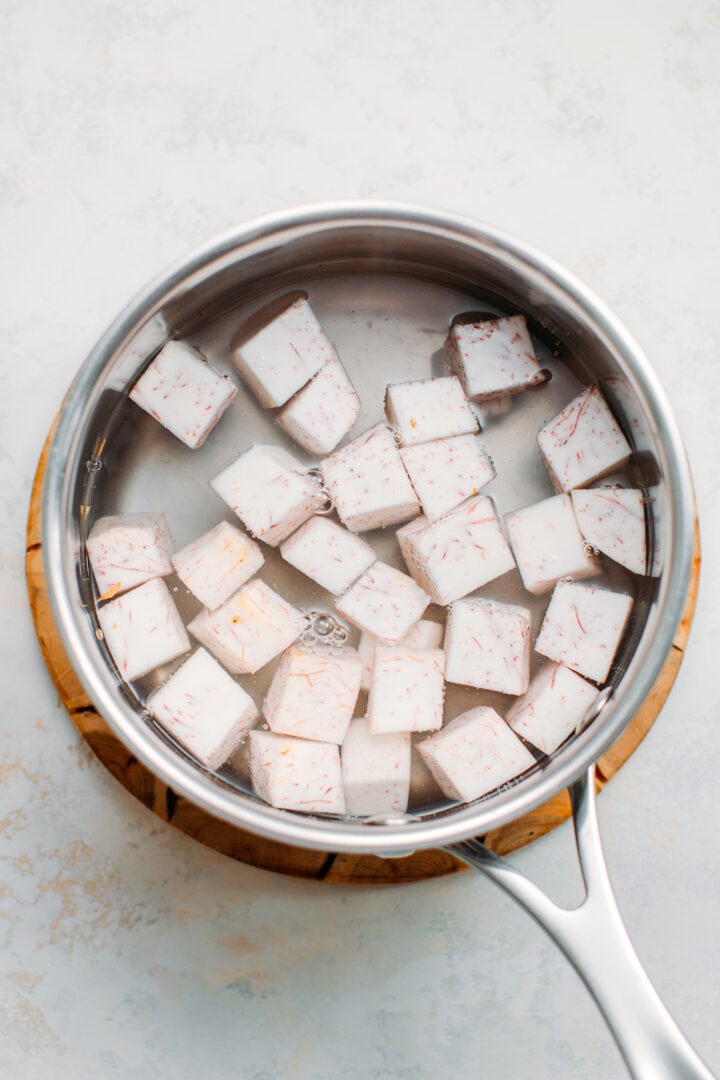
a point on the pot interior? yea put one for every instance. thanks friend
(385, 286)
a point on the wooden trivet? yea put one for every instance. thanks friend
(282, 858)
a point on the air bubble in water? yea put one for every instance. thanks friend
(324, 625)
(323, 631)
(326, 506)
(591, 550)
(93, 464)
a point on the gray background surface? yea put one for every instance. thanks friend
(133, 131)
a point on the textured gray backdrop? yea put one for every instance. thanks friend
(133, 131)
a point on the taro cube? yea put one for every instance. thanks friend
(284, 355)
(547, 544)
(270, 492)
(296, 774)
(474, 754)
(457, 553)
(487, 646)
(183, 393)
(128, 549)
(143, 629)
(425, 634)
(428, 409)
(407, 690)
(215, 565)
(447, 472)
(204, 709)
(251, 628)
(323, 412)
(612, 520)
(313, 693)
(376, 771)
(555, 703)
(368, 484)
(493, 357)
(328, 554)
(366, 650)
(582, 628)
(583, 442)
(384, 601)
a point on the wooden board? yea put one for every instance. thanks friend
(282, 858)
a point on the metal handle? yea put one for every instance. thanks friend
(594, 939)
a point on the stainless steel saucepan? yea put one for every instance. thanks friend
(385, 281)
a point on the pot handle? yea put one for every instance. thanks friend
(594, 939)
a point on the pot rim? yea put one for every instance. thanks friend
(202, 788)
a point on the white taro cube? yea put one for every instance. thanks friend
(376, 771)
(474, 754)
(143, 629)
(182, 392)
(447, 472)
(582, 628)
(313, 693)
(548, 544)
(250, 629)
(493, 357)
(270, 492)
(204, 709)
(215, 565)
(296, 774)
(457, 553)
(583, 442)
(384, 601)
(487, 645)
(612, 520)
(425, 634)
(323, 412)
(127, 549)
(284, 355)
(407, 690)
(428, 409)
(368, 484)
(555, 703)
(328, 554)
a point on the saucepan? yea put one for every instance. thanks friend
(386, 281)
